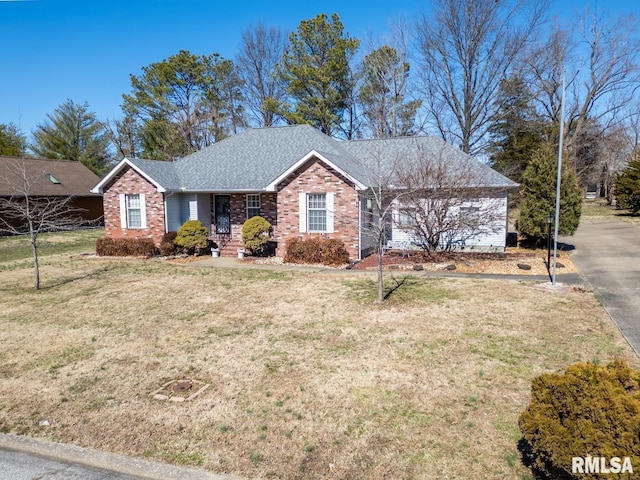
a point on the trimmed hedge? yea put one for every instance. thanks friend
(589, 410)
(125, 247)
(327, 251)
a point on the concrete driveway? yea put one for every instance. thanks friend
(607, 253)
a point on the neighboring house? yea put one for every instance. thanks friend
(302, 181)
(52, 179)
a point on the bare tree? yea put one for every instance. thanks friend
(261, 48)
(124, 136)
(447, 206)
(466, 47)
(25, 213)
(600, 58)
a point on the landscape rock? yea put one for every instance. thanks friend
(450, 267)
(418, 267)
(524, 266)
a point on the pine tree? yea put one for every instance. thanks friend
(12, 141)
(73, 132)
(628, 188)
(316, 71)
(538, 191)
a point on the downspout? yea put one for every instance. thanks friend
(359, 227)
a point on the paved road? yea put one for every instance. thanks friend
(25, 458)
(607, 253)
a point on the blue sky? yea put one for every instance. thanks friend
(51, 50)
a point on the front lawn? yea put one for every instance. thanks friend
(309, 377)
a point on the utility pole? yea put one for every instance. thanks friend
(559, 179)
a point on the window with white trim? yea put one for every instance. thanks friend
(317, 212)
(470, 216)
(134, 211)
(253, 205)
(407, 217)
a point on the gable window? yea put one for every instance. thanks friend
(133, 210)
(253, 205)
(316, 212)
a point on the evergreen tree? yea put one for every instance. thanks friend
(383, 94)
(628, 188)
(316, 71)
(73, 132)
(538, 193)
(517, 132)
(184, 103)
(12, 141)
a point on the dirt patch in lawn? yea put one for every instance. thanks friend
(515, 261)
(309, 377)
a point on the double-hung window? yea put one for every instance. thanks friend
(253, 205)
(316, 212)
(132, 210)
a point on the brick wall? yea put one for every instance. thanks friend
(315, 177)
(238, 203)
(128, 181)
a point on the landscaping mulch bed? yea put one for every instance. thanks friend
(515, 261)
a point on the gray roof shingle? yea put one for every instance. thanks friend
(254, 158)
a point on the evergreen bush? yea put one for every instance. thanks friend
(628, 188)
(589, 410)
(538, 196)
(192, 237)
(256, 235)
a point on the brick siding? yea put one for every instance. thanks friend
(238, 204)
(128, 181)
(315, 177)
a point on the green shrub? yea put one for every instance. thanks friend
(590, 410)
(628, 188)
(256, 234)
(327, 251)
(167, 246)
(192, 237)
(125, 247)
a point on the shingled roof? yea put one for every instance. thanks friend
(255, 159)
(48, 178)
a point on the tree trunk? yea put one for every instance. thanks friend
(36, 267)
(379, 252)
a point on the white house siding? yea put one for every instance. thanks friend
(493, 240)
(204, 209)
(173, 206)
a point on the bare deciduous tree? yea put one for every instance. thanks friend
(261, 48)
(600, 58)
(466, 47)
(446, 206)
(25, 213)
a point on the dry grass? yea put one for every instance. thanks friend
(309, 378)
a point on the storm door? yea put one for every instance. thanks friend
(223, 214)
